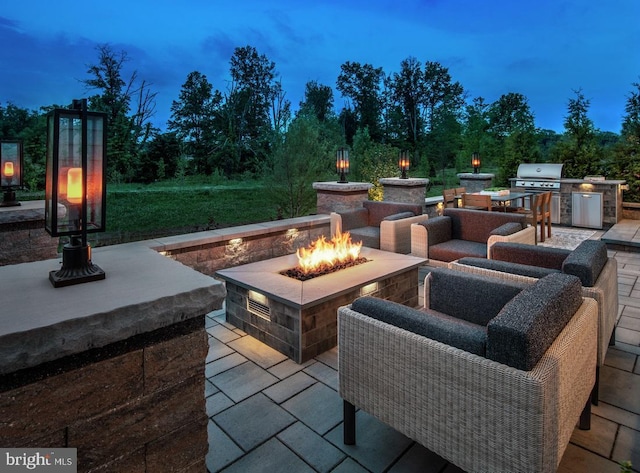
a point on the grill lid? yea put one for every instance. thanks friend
(539, 171)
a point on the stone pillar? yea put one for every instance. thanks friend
(340, 197)
(23, 238)
(114, 368)
(475, 182)
(410, 191)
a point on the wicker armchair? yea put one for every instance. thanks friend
(589, 261)
(381, 225)
(477, 412)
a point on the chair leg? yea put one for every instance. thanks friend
(349, 427)
(585, 417)
(541, 230)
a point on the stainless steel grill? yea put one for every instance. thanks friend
(541, 177)
(532, 176)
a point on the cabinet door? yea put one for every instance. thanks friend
(586, 209)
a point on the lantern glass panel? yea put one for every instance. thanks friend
(10, 164)
(66, 183)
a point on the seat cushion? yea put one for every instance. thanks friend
(449, 330)
(527, 325)
(455, 249)
(370, 236)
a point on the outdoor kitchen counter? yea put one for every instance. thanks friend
(612, 197)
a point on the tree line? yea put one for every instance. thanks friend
(249, 128)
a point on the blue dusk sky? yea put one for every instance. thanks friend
(543, 49)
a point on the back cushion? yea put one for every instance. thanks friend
(527, 326)
(587, 261)
(457, 333)
(541, 256)
(477, 225)
(354, 219)
(438, 229)
(379, 210)
(466, 296)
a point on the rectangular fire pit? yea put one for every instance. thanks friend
(298, 318)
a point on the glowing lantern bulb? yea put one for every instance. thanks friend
(8, 169)
(74, 185)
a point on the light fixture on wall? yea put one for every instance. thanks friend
(342, 164)
(11, 175)
(475, 162)
(403, 163)
(75, 190)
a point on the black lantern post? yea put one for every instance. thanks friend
(75, 193)
(342, 164)
(403, 163)
(11, 166)
(475, 162)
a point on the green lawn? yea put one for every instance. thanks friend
(138, 211)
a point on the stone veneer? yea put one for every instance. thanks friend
(22, 235)
(410, 190)
(213, 250)
(340, 196)
(298, 318)
(114, 368)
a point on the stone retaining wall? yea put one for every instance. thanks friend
(134, 406)
(209, 251)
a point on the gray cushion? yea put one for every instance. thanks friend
(369, 236)
(399, 216)
(354, 219)
(527, 326)
(457, 333)
(452, 250)
(477, 225)
(586, 261)
(542, 256)
(438, 230)
(508, 228)
(473, 298)
(507, 267)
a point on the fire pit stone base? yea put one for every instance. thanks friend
(298, 318)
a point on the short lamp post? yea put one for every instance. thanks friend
(403, 163)
(75, 190)
(11, 166)
(475, 162)
(342, 164)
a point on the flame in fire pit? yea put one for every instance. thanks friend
(323, 254)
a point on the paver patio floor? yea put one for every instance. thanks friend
(269, 414)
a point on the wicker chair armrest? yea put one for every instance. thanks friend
(497, 418)
(526, 235)
(395, 235)
(605, 293)
(492, 273)
(419, 241)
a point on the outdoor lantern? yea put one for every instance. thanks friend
(475, 162)
(403, 163)
(342, 164)
(75, 192)
(11, 166)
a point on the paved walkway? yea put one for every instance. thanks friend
(269, 414)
